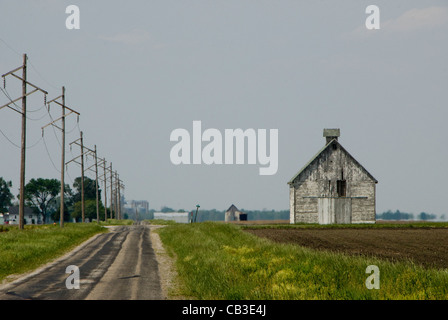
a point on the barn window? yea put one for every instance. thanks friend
(335, 146)
(342, 188)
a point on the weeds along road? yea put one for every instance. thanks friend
(118, 265)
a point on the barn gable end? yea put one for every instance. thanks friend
(333, 187)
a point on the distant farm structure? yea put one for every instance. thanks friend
(180, 217)
(233, 214)
(333, 187)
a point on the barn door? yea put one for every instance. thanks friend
(334, 210)
(343, 210)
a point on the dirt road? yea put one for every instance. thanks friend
(119, 265)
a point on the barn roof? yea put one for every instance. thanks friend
(232, 208)
(319, 153)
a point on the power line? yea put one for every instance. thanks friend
(39, 74)
(6, 93)
(23, 97)
(49, 156)
(31, 64)
(16, 145)
(24, 113)
(10, 141)
(10, 99)
(11, 48)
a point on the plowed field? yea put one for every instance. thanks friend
(425, 246)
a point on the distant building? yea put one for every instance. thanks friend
(180, 217)
(233, 214)
(141, 205)
(30, 216)
(136, 209)
(333, 187)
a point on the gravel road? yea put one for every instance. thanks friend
(118, 265)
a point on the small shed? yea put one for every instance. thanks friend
(333, 187)
(233, 214)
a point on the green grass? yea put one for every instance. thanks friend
(161, 222)
(116, 222)
(385, 225)
(25, 250)
(220, 261)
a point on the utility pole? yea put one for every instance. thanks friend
(83, 204)
(62, 159)
(96, 183)
(116, 196)
(103, 163)
(62, 118)
(23, 147)
(94, 152)
(80, 142)
(111, 191)
(119, 198)
(119, 185)
(23, 139)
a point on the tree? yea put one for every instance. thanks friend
(54, 209)
(41, 193)
(5, 195)
(89, 189)
(397, 215)
(90, 212)
(426, 216)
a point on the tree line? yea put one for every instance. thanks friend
(219, 215)
(398, 215)
(43, 196)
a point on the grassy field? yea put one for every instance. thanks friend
(161, 222)
(377, 225)
(116, 222)
(220, 261)
(24, 250)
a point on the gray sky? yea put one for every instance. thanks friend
(137, 70)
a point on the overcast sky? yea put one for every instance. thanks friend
(137, 70)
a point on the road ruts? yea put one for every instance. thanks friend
(119, 265)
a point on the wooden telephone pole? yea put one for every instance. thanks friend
(85, 151)
(23, 140)
(80, 142)
(96, 186)
(94, 152)
(62, 128)
(112, 192)
(102, 164)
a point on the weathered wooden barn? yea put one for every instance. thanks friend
(333, 187)
(233, 214)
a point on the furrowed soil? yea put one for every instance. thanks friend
(424, 246)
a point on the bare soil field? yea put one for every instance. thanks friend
(424, 246)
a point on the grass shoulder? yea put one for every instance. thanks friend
(161, 222)
(220, 261)
(117, 222)
(25, 250)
